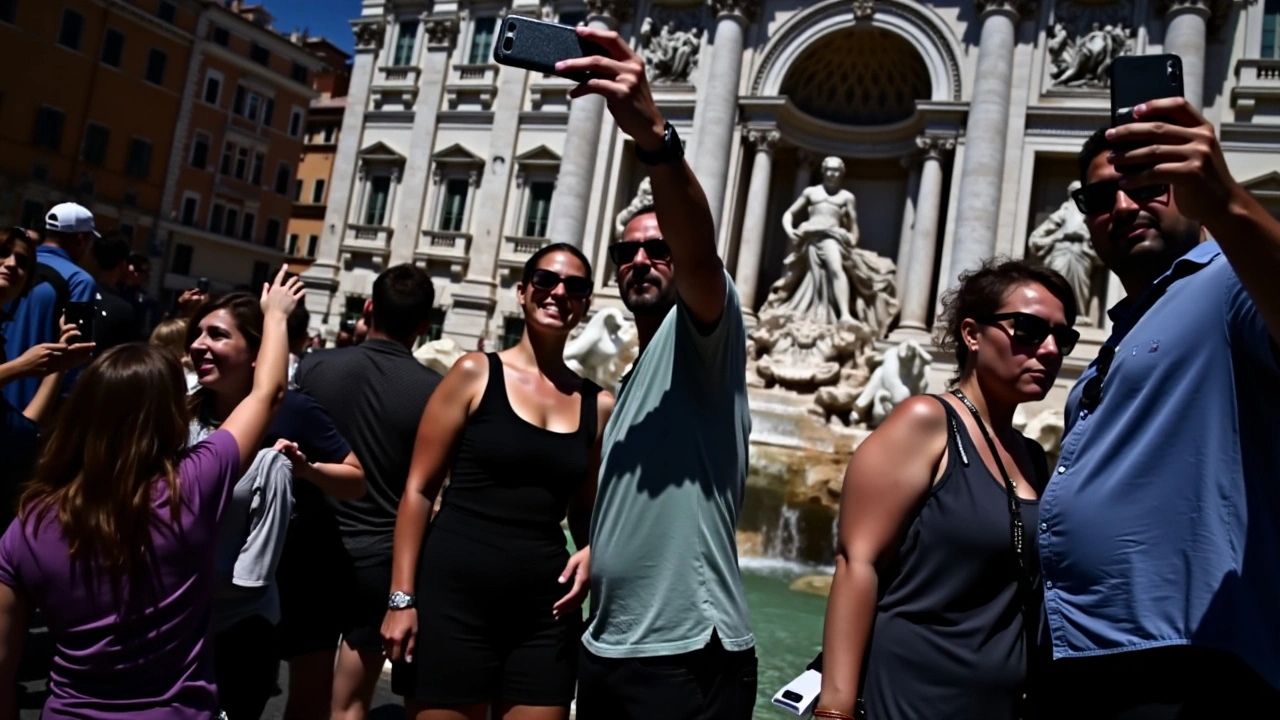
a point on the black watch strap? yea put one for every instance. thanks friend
(672, 150)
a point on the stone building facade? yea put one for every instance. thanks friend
(958, 124)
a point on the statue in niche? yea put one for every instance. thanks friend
(1062, 242)
(1084, 40)
(827, 278)
(670, 45)
(604, 349)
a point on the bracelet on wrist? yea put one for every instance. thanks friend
(832, 714)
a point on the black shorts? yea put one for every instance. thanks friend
(365, 600)
(313, 569)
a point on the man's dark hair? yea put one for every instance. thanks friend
(298, 323)
(138, 259)
(1093, 147)
(402, 300)
(110, 250)
(532, 263)
(982, 291)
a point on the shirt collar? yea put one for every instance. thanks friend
(53, 250)
(385, 345)
(1195, 259)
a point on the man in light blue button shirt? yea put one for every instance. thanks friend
(1160, 531)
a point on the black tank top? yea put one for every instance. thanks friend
(511, 472)
(949, 639)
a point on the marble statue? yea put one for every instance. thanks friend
(604, 349)
(670, 52)
(1062, 242)
(827, 278)
(1083, 42)
(642, 200)
(801, 355)
(899, 374)
(439, 355)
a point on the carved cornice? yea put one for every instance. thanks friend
(762, 139)
(613, 11)
(369, 33)
(1019, 8)
(442, 30)
(936, 148)
(745, 9)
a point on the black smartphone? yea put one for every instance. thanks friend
(1136, 79)
(203, 285)
(82, 314)
(538, 45)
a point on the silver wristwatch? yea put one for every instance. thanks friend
(400, 601)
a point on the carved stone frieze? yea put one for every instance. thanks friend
(670, 40)
(1084, 39)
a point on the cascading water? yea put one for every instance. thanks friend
(783, 541)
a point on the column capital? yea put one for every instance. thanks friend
(934, 148)
(1200, 7)
(762, 139)
(442, 30)
(1017, 8)
(745, 9)
(369, 33)
(615, 12)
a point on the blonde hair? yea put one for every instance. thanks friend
(172, 336)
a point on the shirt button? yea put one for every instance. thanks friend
(1062, 469)
(1044, 527)
(1048, 584)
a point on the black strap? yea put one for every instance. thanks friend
(61, 289)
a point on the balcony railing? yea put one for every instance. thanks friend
(445, 246)
(516, 250)
(1257, 89)
(471, 86)
(398, 75)
(374, 239)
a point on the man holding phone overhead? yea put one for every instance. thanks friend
(669, 636)
(1160, 531)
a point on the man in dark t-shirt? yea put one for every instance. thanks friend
(115, 323)
(376, 393)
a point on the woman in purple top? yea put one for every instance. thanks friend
(114, 541)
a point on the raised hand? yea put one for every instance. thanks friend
(282, 295)
(621, 81)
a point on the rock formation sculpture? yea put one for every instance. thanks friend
(1062, 242)
(604, 349)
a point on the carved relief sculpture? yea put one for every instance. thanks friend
(1062, 242)
(669, 43)
(1085, 39)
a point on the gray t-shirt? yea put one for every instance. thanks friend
(251, 538)
(664, 561)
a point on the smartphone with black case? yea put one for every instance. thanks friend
(1136, 79)
(202, 285)
(82, 315)
(538, 45)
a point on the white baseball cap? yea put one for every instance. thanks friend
(70, 218)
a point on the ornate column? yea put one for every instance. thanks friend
(918, 277)
(751, 248)
(441, 32)
(1185, 31)
(567, 216)
(719, 102)
(985, 130)
(912, 163)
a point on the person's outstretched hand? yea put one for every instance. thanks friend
(283, 295)
(621, 81)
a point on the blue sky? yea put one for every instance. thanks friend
(329, 18)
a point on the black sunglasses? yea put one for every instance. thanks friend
(575, 286)
(1091, 396)
(1100, 197)
(624, 252)
(1031, 330)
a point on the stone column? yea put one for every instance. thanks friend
(356, 215)
(1185, 31)
(751, 247)
(917, 283)
(912, 163)
(391, 192)
(719, 101)
(804, 172)
(441, 32)
(567, 216)
(982, 175)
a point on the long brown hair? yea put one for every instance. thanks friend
(123, 427)
(246, 311)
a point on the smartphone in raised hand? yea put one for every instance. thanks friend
(1136, 79)
(538, 45)
(82, 315)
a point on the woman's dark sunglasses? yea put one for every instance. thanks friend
(1031, 330)
(1100, 197)
(625, 251)
(575, 286)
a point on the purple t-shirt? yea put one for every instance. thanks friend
(159, 663)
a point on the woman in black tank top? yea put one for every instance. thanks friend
(934, 606)
(495, 597)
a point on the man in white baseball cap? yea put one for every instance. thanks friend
(59, 279)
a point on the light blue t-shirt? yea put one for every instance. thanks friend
(1161, 524)
(664, 560)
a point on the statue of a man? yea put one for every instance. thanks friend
(827, 278)
(1062, 242)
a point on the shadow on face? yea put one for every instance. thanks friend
(1008, 364)
(557, 309)
(647, 284)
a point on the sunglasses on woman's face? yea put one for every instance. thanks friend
(624, 252)
(1100, 197)
(575, 286)
(1030, 331)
